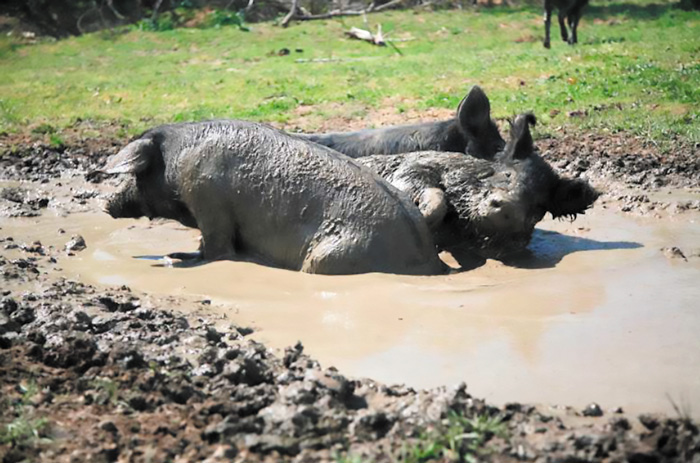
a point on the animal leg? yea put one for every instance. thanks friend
(197, 255)
(562, 26)
(573, 24)
(332, 256)
(547, 23)
(218, 236)
(433, 206)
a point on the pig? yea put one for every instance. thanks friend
(488, 206)
(571, 10)
(472, 132)
(258, 194)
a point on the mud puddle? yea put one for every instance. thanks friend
(597, 313)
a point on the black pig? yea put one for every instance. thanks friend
(472, 132)
(489, 206)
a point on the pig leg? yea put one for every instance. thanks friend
(217, 242)
(196, 255)
(332, 256)
(562, 26)
(218, 229)
(547, 21)
(573, 24)
(433, 206)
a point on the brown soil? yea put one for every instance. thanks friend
(105, 374)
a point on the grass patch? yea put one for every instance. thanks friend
(24, 428)
(633, 56)
(455, 439)
(458, 439)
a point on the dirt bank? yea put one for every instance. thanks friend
(109, 374)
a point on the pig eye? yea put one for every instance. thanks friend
(495, 203)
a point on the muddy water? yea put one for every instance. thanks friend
(597, 313)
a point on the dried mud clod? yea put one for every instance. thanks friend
(621, 157)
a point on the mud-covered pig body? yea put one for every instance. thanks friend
(259, 194)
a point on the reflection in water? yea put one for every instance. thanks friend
(585, 316)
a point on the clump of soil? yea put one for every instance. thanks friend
(630, 160)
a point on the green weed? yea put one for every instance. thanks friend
(458, 439)
(219, 18)
(109, 387)
(24, 428)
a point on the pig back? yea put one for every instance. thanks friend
(285, 195)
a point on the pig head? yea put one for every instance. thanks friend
(490, 206)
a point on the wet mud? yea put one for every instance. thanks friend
(127, 356)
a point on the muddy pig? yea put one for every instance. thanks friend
(490, 206)
(472, 131)
(259, 194)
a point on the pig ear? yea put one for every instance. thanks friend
(474, 116)
(474, 112)
(571, 197)
(132, 159)
(521, 144)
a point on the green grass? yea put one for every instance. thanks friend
(457, 438)
(636, 69)
(24, 428)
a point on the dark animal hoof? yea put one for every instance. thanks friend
(547, 45)
(186, 255)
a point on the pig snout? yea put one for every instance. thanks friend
(125, 203)
(506, 223)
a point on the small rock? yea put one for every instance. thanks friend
(23, 316)
(110, 452)
(593, 409)
(109, 426)
(649, 421)
(244, 331)
(212, 335)
(673, 253)
(6, 340)
(138, 402)
(8, 305)
(620, 423)
(76, 243)
(577, 113)
(7, 325)
(103, 323)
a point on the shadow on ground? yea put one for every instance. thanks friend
(547, 248)
(632, 11)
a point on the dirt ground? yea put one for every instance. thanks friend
(106, 374)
